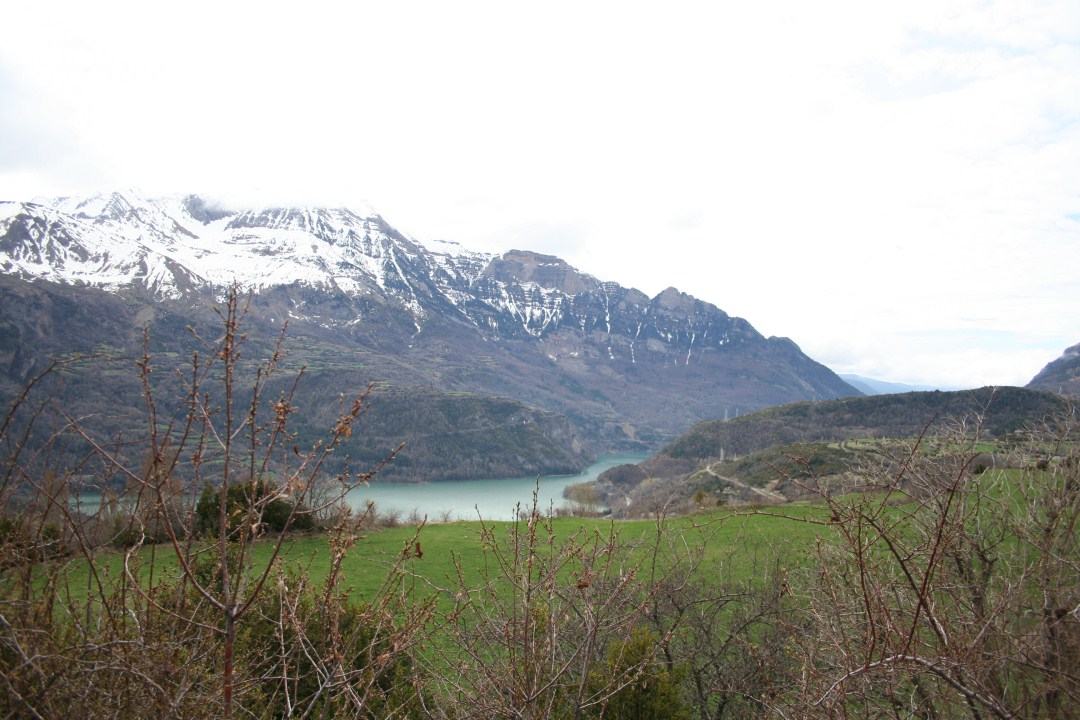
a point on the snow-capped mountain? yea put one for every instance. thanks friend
(518, 325)
(169, 245)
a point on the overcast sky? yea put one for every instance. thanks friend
(893, 185)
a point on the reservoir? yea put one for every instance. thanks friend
(494, 499)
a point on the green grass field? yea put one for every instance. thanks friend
(726, 545)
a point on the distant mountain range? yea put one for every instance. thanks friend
(1061, 376)
(870, 386)
(365, 302)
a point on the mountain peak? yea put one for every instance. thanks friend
(547, 271)
(203, 210)
(522, 324)
(1061, 375)
(113, 205)
(673, 297)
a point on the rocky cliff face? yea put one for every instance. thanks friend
(361, 296)
(1061, 375)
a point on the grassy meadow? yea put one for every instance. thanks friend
(727, 545)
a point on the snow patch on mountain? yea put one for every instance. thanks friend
(112, 240)
(176, 246)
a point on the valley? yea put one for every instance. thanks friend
(484, 365)
(767, 528)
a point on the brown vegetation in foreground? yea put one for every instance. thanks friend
(936, 590)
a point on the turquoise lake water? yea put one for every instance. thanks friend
(494, 499)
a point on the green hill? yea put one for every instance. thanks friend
(761, 456)
(1003, 409)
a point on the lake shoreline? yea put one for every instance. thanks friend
(486, 499)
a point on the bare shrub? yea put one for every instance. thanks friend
(204, 623)
(948, 593)
(390, 518)
(553, 629)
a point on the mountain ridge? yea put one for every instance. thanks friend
(810, 427)
(873, 386)
(360, 295)
(1061, 375)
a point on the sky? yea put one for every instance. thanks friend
(893, 185)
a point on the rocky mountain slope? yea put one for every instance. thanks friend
(1061, 375)
(365, 302)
